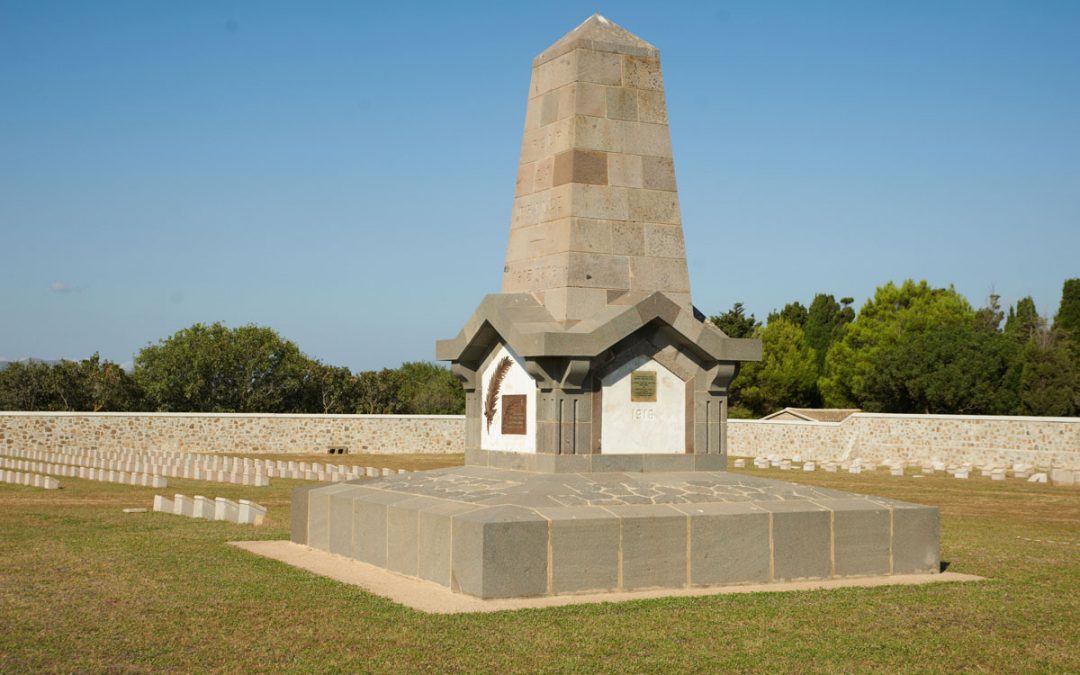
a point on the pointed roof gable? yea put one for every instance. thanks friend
(598, 34)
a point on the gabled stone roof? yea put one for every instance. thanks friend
(529, 329)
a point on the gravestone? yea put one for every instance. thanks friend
(596, 394)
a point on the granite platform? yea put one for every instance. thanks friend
(502, 533)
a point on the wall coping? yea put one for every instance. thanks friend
(908, 416)
(46, 413)
(991, 418)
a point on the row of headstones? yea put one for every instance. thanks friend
(244, 512)
(216, 468)
(29, 479)
(329, 472)
(898, 468)
(188, 469)
(85, 473)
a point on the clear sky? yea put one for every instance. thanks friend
(344, 172)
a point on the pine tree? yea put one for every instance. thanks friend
(1023, 323)
(1067, 320)
(735, 323)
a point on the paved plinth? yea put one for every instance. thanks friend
(498, 533)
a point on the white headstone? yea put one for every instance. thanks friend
(251, 513)
(203, 508)
(226, 510)
(183, 506)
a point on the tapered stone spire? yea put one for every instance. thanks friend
(596, 213)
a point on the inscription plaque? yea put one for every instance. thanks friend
(643, 386)
(513, 414)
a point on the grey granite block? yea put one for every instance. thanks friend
(860, 536)
(434, 526)
(299, 514)
(916, 539)
(611, 463)
(402, 533)
(500, 552)
(341, 527)
(729, 543)
(653, 546)
(319, 520)
(369, 524)
(584, 549)
(711, 462)
(802, 540)
(667, 462)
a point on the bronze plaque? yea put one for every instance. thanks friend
(643, 386)
(513, 414)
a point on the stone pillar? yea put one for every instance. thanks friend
(710, 408)
(564, 410)
(466, 374)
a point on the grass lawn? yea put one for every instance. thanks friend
(85, 587)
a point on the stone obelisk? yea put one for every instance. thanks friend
(593, 347)
(596, 212)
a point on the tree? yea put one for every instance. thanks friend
(735, 323)
(990, 316)
(334, 389)
(884, 319)
(217, 369)
(380, 392)
(430, 389)
(786, 375)
(825, 321)
(28, 385)
(1068, 316)
(1050, 381)
(95, 385)
(793, 312)
(954, 369)
(1022, 324)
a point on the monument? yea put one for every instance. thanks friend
(596, 395)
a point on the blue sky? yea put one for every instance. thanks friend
(344, 172)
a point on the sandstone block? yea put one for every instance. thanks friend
(622, 104)
(642, 72)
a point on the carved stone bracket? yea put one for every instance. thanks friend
(574, 376)
(721, 375)
(465, 375)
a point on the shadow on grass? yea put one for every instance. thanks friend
(944, 565)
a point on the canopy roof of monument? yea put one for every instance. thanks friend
(529, 329)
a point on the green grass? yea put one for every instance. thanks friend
(85, 587)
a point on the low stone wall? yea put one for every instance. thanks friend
(233, 433)
(953, 439)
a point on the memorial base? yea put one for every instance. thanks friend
(502, 533)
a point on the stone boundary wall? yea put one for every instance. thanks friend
(233, 432)
(953, 439)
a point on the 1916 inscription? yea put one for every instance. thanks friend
(513, 414)
(643, 386)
